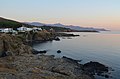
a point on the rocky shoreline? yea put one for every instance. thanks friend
(18, 61)
(29, 66)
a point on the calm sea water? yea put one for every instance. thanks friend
(103, 47)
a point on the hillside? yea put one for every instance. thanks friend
(7, 23)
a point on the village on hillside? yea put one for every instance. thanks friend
(22, 29)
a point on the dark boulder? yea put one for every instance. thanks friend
(59, 51)
(39, 52)
(57, 39)
(96, 68)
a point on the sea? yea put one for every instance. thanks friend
(103, 47)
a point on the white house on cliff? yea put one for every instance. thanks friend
(25, 29)
(20, 29)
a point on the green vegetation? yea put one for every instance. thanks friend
(9, 24)
(5, 23)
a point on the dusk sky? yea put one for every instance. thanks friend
(87, 13)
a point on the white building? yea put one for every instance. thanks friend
(39, 29)
(7, 30)
(35, 29)
(22, 29)
(29, 29)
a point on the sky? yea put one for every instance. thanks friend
(86, 13)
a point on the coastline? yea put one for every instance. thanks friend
(23, 64)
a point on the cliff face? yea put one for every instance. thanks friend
(32, 37)
(12, 45)
(42, 36)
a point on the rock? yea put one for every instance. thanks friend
(96, 68)
(57, 39)
(71, 60)
(43, 52)
(12, 45)
(106, 76)
(39, 52)
(30, 66)
(66, 35)
(59, 51)
(42, 36)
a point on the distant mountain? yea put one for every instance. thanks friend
(56, 25)
(78, 28)
(42, 24)
(85, 28)
(35, 23)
